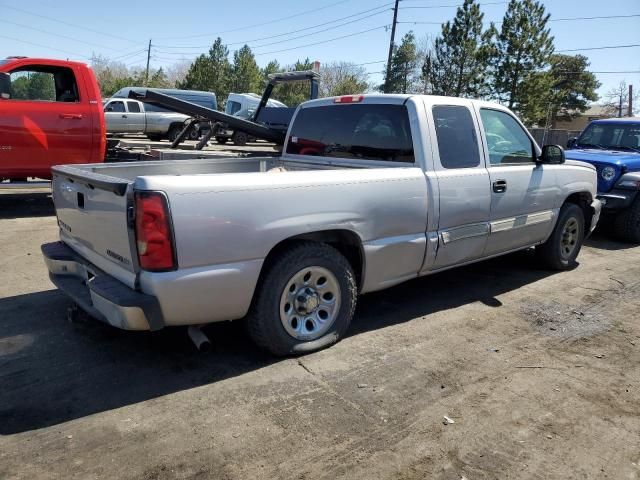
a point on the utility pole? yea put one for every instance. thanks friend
(391, 45)
(146, 77)
(630, 108)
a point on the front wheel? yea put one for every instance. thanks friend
(560, 251)
(627, 223)
(304, 302)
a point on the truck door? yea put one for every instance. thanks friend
(523, 193)
(463, 182)
(115, 114)
(50, 122)
(135, 120)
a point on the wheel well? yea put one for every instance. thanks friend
(583, 200)
(345, 241)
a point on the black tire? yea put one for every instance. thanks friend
(264, 322)
(194, 133)
(554, 252)
(627, 223)
(221, 140)
(240, 139)
(154, 137)
(173, 132)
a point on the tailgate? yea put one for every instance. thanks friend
(92, 216)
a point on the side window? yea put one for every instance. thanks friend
(507, 142)
(30, 85)
(44, 84)
(115, 106)
(354, 132)
(457, 142)
(133, 107)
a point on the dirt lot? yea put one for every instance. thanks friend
(540, 373)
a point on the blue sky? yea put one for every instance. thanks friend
(121, 30)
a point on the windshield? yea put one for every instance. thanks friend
(611, 136)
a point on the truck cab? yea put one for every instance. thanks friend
(50, 113)
(613, 147)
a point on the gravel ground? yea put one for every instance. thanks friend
(537, 373)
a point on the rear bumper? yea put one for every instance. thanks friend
(99, 294)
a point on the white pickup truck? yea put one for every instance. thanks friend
(369, 191)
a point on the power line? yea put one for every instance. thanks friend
(599, 48)
(67, 23)
(384, 5)
(45, 46)
(56, 34)
(286, 39)
(261, 24)
(324, 41)
(449, 6)
(568, 19)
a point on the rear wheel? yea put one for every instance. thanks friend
(304, 302)
(560, 251)
(173, 132)
(627, 223)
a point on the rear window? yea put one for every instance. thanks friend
(133, 107)
(360, 132)
(456, 135)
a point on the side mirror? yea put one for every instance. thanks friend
(572, 142)
(552, 154)
(5, 85)
(108, 109)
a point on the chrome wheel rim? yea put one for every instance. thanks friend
(570, 237)
(309, 303)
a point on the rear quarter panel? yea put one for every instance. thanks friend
(235, 218)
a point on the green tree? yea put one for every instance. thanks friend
(458, 65)
(272, 67)
(523, 47)
(293, 94)
(404, 60)
(159, 79)
(211, 72)
(342, 78)
(565, 90)
(246, 75)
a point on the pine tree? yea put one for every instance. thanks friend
(459, 64)
(523, 47)
(211, 72)
(404, 61)
(246, 76)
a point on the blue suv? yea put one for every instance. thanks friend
(613, 147)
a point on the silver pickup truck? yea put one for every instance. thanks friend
(123, 116)
(369, 191)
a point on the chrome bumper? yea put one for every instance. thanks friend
(596, 206)
(99, 294)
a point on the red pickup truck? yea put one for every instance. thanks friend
(50, 114)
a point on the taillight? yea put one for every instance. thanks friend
(349, 99)
(153, 232)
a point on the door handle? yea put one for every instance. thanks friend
(500, 186)
(71, 116)
(124, 116)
